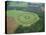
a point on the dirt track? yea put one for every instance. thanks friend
(11, 24)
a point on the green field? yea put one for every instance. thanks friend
(28, 19)
(23, 18)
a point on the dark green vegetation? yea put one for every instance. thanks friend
(37, 8)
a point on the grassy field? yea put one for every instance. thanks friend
(29, 19)
(23, 18)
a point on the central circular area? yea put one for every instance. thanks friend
(27, 19)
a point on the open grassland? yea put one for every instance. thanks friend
(29, 17)
(24, 18)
